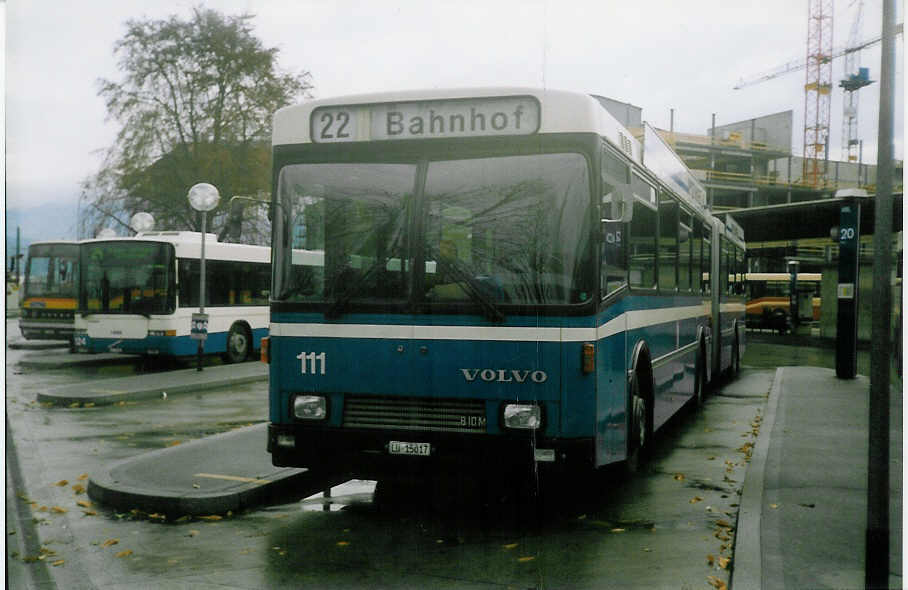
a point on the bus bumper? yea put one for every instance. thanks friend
(366, 454)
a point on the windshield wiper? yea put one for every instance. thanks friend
(473, 288)
(347, 294)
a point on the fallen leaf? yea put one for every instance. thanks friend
(723, 562)
(110, 542)
(124, 553)
(58, 510)
(773, 506)
(696, 499)
(62, 483)
(58, 563)
(79, 489)
(89, 513)
(710, 559)
(174, 443)
(716, 583)
(679, 477)
(84, 503)
(525, 559)
(90, 405)
(156, 516)
(510, 546)
(83, 477)
(193, 533)
(211, 517)
(196, 486)
(617, 530)
(723, 523)
(343, 543)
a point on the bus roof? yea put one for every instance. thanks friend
(189, 244)
(556, 111)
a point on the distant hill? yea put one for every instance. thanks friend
(54, 221)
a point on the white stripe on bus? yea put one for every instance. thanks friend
(627, 321)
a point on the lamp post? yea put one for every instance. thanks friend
(141, 221)
(203, 197)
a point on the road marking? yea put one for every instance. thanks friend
(234, 478)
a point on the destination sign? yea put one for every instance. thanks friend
(474, 117)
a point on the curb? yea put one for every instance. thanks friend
(748, 561)
(283, 484)
(111, 391)
(42, 345)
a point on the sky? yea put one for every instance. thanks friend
(656, 54)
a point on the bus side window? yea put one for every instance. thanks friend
(685, 252)
(613, 270)
(642, 247)
(668, 243)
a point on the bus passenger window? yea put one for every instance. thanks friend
(685, 241)
(642, 247)
(613, 272)
(668, 243)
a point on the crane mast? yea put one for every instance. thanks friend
(817, 90)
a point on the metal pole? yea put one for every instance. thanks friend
(18, 260)
(877, 536)
(201, 349)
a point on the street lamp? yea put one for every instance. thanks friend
(203, 197)
(141, 221)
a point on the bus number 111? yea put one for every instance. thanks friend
(316, 362)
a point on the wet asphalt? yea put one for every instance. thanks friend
(664, 528)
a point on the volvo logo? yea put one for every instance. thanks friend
(504, 375)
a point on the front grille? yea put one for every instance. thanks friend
(419, 414)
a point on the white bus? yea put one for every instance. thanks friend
(138, 294)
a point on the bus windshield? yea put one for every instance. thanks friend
(53, 271)
(509, 230)
(127, 277)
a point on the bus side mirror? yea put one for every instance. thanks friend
(618, 205)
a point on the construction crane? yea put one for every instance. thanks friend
(801, 63)
(855, 78)
(817, 89)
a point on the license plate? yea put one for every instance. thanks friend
(396, 447)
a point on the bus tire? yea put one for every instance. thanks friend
(640, 424)
(239, 343)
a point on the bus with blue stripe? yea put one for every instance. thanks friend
(508, 277)
(138, 294)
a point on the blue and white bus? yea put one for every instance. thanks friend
(138, 295)
(509, 277)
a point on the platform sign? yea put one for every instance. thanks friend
(849, 236)
(199, 328)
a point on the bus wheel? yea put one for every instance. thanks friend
(641, 428)
(238, 343)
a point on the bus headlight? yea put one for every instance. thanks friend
(522, 416)
(310, 407)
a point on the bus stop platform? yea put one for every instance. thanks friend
(154, 385)
(803, 514)
(210, 476)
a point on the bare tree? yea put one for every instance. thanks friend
(195, 105)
